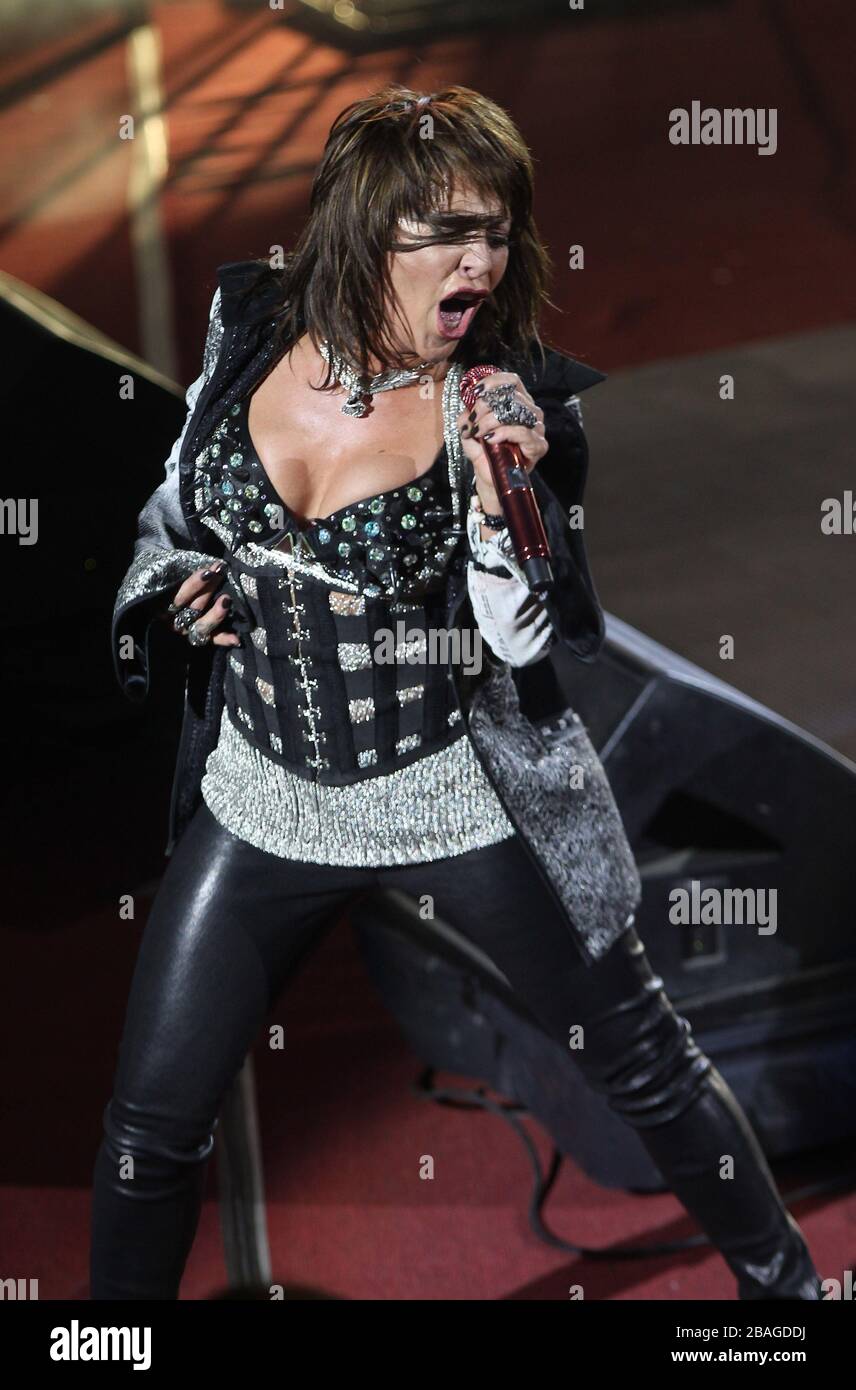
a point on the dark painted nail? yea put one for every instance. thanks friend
(226, 601)
(489, 435)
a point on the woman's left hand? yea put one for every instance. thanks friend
(474, 424)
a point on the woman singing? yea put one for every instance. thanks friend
(326, 517)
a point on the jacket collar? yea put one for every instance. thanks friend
(250, 292)
(560, 375)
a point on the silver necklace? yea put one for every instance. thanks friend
(360, 388)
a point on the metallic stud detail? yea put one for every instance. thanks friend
(354, 656)
(408, 743)
(361, 710)
(346, 605)
(414, 646)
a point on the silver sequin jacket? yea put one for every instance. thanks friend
(552, 784)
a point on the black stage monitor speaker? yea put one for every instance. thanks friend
(717, 793)
(88, 427)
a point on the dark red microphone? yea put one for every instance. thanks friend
(516, 497)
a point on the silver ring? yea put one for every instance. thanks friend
(185, 616)
(198, 636)
(507, 408)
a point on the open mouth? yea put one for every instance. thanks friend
(456, 312)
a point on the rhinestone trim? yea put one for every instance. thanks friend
(347, 605)
(440, 805)
(354, 656)
(408, 743)
(361, 710)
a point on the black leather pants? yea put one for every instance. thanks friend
(227, 928)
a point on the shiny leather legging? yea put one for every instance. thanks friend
(229, 925)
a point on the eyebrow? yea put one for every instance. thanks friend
(454, 221)
(450, 228)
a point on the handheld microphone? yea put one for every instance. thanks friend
(517, 499)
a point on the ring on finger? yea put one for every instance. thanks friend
(198, 636)
(186, 616)
(508, 409)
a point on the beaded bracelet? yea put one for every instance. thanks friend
(496, 523)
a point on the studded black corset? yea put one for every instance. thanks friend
(343, 669)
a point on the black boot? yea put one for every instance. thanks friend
(142, 1228)
(743, 1216)
(641, 1055)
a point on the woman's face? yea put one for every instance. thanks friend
(428, 318)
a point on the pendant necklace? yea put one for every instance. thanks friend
(360, 388)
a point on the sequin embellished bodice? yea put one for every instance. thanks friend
(341, 741)
(334, 685)
(342, 673)
(396, 542)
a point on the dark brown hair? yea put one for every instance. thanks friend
(378, 167)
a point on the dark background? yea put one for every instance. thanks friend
(702, 519)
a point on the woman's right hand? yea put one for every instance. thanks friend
(198, 591)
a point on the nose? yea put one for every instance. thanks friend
(476, 258)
